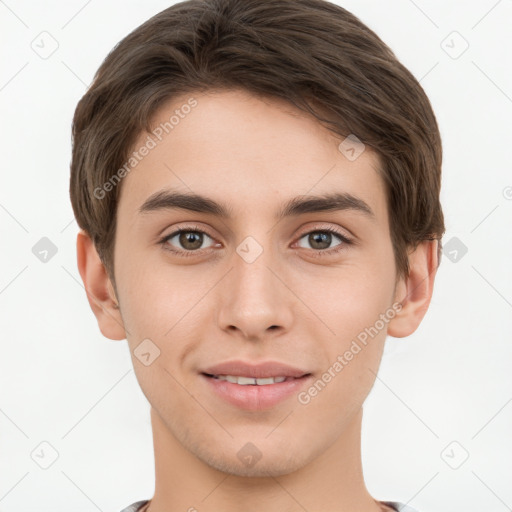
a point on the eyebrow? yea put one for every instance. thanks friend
(336, 201)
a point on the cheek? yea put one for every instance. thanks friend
(357, 309)
(154, 302)
(351, 356)
(161, 308)
(351, 299)
(169, 309)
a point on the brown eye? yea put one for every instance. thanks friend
(321, 240)
(190, 240)
(185, 240)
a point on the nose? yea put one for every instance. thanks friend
(254, 299)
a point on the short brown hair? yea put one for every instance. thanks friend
(311, 53)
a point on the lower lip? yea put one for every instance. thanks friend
(254, 397)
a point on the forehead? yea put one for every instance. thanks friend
(252, 153)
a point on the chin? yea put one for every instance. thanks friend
(266, 466)
(259, 470)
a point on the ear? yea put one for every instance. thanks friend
(415, 291)
(99, 289)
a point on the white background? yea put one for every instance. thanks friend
(63, 383)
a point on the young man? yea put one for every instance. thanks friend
(257, 185)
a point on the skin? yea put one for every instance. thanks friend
(253, 155)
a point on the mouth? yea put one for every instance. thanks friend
(254, 393)
(252, 381)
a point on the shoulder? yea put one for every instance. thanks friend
(399, 507)
(134, 507)
(395, 505)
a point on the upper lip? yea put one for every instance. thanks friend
(256, 371)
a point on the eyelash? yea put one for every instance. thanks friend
(317, 252)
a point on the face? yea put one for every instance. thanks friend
(252, 285)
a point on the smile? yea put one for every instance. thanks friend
(255, 394)
(250, 381)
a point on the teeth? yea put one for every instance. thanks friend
(244, 381)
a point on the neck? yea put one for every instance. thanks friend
(331, 482)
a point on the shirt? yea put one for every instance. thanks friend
(399, 507)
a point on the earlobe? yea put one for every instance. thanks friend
(99, 289)
(415, 291)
